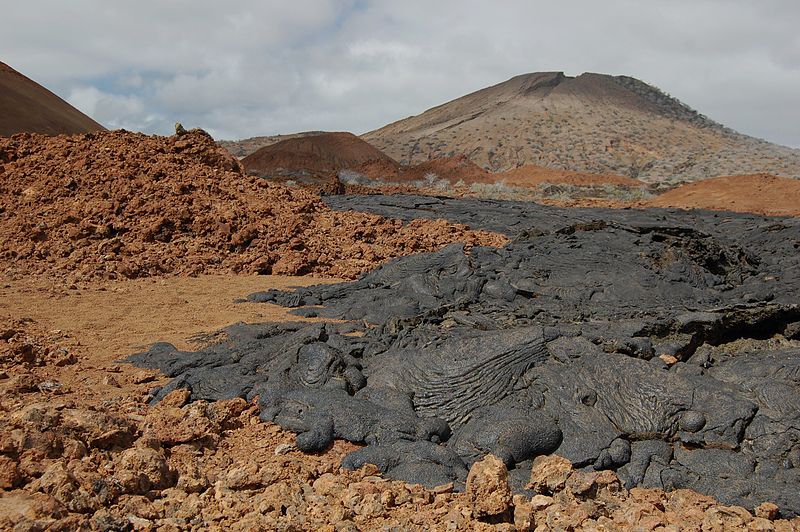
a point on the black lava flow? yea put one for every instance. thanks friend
(664, 345)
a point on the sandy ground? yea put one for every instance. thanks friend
(113, 319)
(103, 322)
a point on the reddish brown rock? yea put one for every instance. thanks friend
(726, 518)
(142, 469)
(524, 520)
(172, 426)
(10, 475)
(126, 205)
(767, 510)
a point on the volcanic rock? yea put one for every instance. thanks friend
(550, 473)
(546, 345)
(487, 487)
(127, 205)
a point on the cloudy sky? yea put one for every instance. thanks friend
(246, 68)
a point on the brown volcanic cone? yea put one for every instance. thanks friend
(759, 193)
(125, 205)
(590, 123)
(27, 107)
(321, 154)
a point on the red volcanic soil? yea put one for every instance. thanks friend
(127, 205)
(461, 168)
(27, 107)
(453, 169)
(321, 154)
(531, 175)
(758, 193)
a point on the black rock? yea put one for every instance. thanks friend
(551, 344)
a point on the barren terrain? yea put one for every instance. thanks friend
(244, 147)
(82, 450)
(126, 205)
(759, 193)
(184, 346)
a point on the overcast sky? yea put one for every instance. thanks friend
(246, 68)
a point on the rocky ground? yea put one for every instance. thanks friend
(609, 337)
(126, 205)
(108, 241)
(76, 459)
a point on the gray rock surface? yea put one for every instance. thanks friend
(660, 344)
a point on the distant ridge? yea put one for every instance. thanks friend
(589, 123)
(27, 107)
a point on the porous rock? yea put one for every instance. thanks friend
(487, 487)
(549, 473)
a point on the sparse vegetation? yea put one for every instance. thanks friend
(658, 138)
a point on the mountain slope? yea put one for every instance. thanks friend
(589, 123)
(27, 107)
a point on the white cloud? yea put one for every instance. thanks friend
(260, 67)
(113, 110)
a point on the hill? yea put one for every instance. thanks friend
(27, 107)
(592, 123)
(244, 147)
(115, 205)
(320, 154)
(531, 175)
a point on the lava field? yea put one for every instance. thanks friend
(662, 344)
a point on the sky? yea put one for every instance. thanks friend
(248, 68)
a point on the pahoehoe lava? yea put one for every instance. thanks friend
(664, 345)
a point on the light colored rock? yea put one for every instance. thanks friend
(549, 473)
(171, 425)
(328, 484)
(284, 448)
(444, 488)
(726, 518)
(487, 487)
(767, 510)
(142, 469)
(540, 502)
(61, 484)
(669, 360)
(524, 520)
(760, 524)
(243, 477)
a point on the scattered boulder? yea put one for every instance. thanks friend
(550, 474)
(487, 487)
